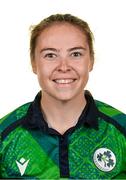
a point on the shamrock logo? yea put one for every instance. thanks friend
(104, 159)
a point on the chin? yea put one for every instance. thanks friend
(65, 98)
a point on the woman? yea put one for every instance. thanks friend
(64, 132)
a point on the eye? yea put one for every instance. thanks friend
(76, 54)
(50, 55)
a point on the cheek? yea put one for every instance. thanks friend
(83, 71)
(83, 65)
(42, 78)
(86, 67)
(43, 72)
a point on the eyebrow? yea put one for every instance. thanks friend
(48, 49)
(76, 48)
(57, 50)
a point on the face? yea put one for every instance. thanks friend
(62, 62)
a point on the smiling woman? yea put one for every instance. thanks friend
(73, 135)
(67, 57)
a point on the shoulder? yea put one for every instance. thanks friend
(109, 110)
(13, 117)
(112, 115)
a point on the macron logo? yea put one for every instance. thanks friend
(22, 165)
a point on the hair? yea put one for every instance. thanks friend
(61, 18)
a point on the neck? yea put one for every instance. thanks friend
(62, 115)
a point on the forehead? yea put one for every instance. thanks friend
(57, 25)
(62, 32)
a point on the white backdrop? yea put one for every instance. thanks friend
(106, 18)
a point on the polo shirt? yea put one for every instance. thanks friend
(95, 148)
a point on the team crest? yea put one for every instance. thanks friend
(104, 159)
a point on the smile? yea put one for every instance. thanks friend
(64, 81)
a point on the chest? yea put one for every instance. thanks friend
(84, 154)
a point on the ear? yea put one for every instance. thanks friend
(34, 68)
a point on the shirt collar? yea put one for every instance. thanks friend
(92, 111)
(34, 118)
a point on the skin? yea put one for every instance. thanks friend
(62, 64)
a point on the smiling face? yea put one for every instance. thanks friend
(62, 62)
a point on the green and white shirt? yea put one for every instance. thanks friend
(93, 149)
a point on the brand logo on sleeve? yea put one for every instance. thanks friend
(22, 165)
(104, 159)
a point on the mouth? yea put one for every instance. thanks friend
(64, 81)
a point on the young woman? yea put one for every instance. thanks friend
(64, 132)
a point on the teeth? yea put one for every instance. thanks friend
(64, 81)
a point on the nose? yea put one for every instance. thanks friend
(64, 65)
